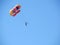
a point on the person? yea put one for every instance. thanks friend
(26, 23)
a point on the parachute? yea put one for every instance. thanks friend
(14, 11)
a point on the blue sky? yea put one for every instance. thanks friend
(42, 16)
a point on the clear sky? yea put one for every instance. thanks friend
(42, 16)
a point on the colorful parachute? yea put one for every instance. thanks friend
(14, 11)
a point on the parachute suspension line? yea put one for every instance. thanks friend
(25, 18)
